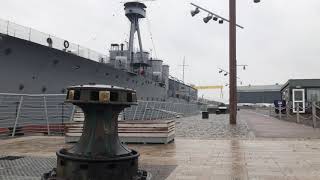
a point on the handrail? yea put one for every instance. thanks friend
(35, 36)
(42, 113)
(31, 95)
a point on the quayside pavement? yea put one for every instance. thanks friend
(258, 147)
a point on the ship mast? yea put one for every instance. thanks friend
(135, 11)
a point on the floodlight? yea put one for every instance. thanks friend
(195, 12)
(207, 19)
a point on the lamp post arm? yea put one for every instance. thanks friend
(214, 14)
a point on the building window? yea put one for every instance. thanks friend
(313, 95)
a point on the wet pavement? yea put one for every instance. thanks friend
(259, 147)
(216, 127)
(265, 126)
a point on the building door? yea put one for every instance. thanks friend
(298, 99)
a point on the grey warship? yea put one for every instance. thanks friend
(32, 62)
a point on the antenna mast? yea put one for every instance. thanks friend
(183, 67)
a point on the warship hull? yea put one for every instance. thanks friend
(30, 68)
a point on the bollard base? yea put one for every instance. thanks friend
(141, 175)
(72, 167)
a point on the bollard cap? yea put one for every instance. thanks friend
(101, 94)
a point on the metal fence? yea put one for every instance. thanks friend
(22, 114)
(29, 34)
(309, 115)
(149, 110)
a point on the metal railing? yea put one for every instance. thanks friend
(311, 116)
(47, 114)
(149, 110)
(29, 34)
(24, 113)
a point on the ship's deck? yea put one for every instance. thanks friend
(259, 147)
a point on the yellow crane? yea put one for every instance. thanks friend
(210, 87)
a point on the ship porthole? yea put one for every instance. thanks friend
(21, 87)
(49, 41)
(55, 62)
(7, 51)
(66, 44)
(44, 89)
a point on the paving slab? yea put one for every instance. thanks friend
(258, 147)
(185, 158)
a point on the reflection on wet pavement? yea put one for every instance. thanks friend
(206, 156)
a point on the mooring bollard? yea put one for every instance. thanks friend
(99, 154)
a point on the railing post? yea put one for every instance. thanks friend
(280, 113)
(314, 114)
(145, 109)
(17, 116)
(135, 112)
(287, 110)
(165, 109)
(29, 34)
(8, 27)
(46, 114)
(154, 106)
(159, 110)
(72, 113)
(298, 113)
(62, 116)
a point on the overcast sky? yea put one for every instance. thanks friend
(281, 39)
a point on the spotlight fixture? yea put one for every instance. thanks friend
(195, 12)
(244, 67)
(256, 1)
(220, 71)
(215, 18)
(221, 21)
(207, 19)
(226, 74)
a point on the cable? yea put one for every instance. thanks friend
(151, 37)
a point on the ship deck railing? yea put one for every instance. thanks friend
(47, 114)
(38, 37)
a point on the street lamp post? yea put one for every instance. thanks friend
(232, 52)
(232, 63)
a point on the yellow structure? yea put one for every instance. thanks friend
(210, 87)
